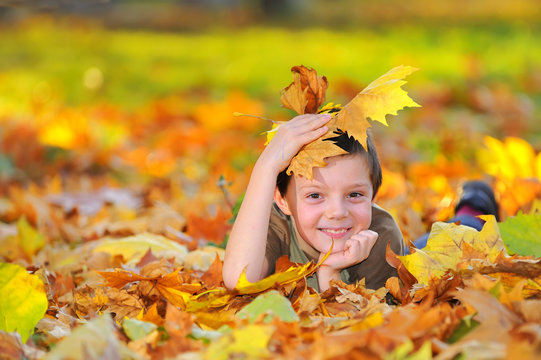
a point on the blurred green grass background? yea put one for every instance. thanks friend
(79, 62)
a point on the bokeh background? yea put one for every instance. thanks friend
(141, 95)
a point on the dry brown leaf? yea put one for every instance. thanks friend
(408, 280)
(178, 325)
(157, 268)
(146, 259)
(308, 303)
(123, 304)
(306, 93)
(172, 286)
(524, 350)
(529, 309)
(495, 319)
(11, 346)
(440, 289)
(293, 96)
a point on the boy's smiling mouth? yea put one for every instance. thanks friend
(335, 233)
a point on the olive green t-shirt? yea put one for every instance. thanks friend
(282, 240)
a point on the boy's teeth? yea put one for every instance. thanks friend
(332, 231)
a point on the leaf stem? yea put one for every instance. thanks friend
(258, 117)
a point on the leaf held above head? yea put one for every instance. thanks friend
(381, 97)
(384, 96)
(307, 91)
(313, 155)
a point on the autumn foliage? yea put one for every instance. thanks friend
(113, 223)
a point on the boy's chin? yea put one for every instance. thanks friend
(336, 248)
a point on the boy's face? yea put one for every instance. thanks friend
(336, 204)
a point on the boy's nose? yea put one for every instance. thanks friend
(336, 210)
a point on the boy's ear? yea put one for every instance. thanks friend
(281, 202)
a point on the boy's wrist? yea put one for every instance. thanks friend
(267, 166)
(325, 274)
(327, 270)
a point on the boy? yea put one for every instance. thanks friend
(294, 216)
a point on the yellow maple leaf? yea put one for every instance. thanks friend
(248, 342)
(23, 300)
(134, 247)
(382, 97)
(294, 273)
(444, 248)
(30, 239)
(291, 275)
(207, 300)
(313, 155)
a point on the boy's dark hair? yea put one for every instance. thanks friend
(352, 146)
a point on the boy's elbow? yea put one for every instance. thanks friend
(230, 278)
(229, 282)
(232, 272)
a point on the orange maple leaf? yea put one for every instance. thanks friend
(119, 278)
(213, 276)
(169, 285)
(209, 229)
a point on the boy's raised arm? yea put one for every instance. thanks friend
(247, 241)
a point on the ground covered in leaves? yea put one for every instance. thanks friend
(113, 223)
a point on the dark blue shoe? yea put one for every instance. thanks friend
(478, 195)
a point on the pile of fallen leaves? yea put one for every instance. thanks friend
(95, 266)
(146, 295)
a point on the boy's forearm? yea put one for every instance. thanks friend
(247, 241)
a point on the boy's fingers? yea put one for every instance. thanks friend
(366, 238)
(318, 120)
(354, 245)
(309, 133)
(310, 121)
(366, 235)
(318, 132)
(308, 117)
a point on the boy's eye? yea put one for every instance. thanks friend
(355, 195)
(314, 196)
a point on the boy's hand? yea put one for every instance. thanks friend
(291, 137)
(356, 249)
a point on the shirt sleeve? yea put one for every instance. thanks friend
(278, 238)
(375, 268)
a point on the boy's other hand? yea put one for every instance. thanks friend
(291, 137)
(356, 249)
